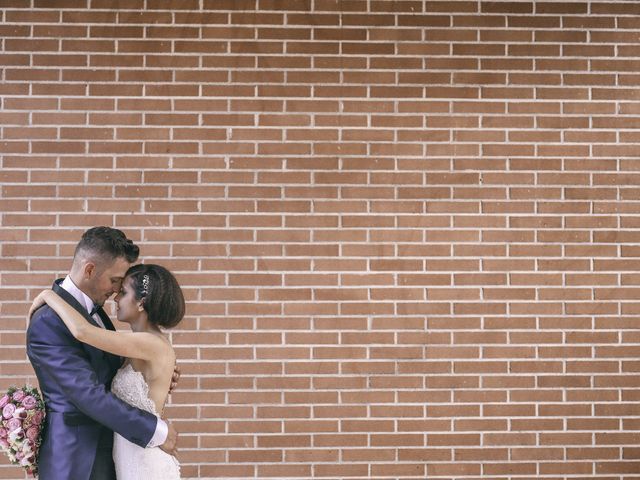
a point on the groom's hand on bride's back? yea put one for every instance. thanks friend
(170, 445)
(174, 378)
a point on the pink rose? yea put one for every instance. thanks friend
(18, 395)
(4, 443)
(4, 400)
(32, 433)
(37, 418)
(13, 424)
(7, 411)
(29, 402)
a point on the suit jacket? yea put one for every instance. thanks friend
(75, 379)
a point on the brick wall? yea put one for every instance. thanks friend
(407, 230)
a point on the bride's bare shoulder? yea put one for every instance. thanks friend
(164, 358)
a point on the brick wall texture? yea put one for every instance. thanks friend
(407, 230)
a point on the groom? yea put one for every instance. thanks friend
(82, 413)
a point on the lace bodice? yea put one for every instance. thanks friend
(133, 462)
(130, 386)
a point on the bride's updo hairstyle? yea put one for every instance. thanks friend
(161, 295)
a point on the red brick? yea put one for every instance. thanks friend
(359, 220)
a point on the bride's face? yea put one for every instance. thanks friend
(127, 307)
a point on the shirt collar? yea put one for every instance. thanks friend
(76, 293)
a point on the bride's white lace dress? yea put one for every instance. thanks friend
(134, 462)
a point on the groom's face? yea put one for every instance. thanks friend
(107, 280)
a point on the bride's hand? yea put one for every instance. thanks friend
(38, 302)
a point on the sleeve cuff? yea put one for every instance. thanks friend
(160, 435)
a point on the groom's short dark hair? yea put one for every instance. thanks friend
(107, 243)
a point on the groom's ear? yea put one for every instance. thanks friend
(89, 270)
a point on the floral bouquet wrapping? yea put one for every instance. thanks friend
(20, 425)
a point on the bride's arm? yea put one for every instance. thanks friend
(126, 344)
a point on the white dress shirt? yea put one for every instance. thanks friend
(162, 430)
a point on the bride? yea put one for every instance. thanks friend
(150, 299)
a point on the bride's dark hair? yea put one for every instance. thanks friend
(160, 292)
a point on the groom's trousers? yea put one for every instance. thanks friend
(103, 467)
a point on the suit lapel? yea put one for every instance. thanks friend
(105, 319)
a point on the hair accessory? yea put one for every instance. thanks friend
(145, 284)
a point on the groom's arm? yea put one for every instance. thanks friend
(62, 358)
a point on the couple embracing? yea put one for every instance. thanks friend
(105, 390)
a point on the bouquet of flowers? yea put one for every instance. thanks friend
(20, 425)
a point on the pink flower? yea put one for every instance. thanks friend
(18, 395)
(13, 424)
(21, 418)
(20, 413)
(37, 418)
(32, 433)
(29, 402)
(7, 411)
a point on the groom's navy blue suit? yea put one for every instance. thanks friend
(75, 379)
